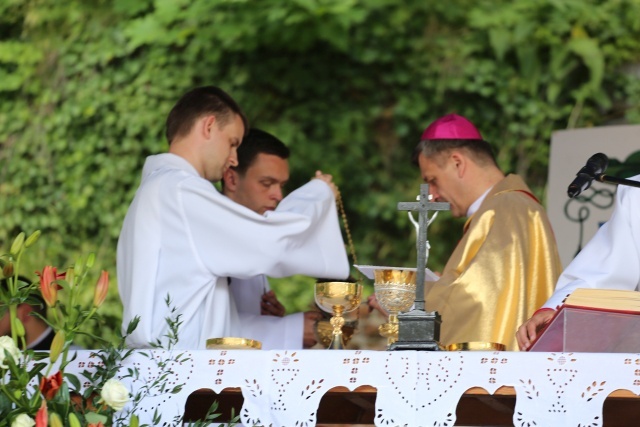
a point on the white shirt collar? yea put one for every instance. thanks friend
(476, 205)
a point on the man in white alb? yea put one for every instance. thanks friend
(611, 260)
(257, 183)
(181, 238)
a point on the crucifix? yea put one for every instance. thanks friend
(417, 329)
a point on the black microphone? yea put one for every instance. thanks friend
(596, 165)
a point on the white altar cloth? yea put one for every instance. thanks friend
(284, 388)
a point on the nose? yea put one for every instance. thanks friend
(276, 193)
(233, 158)
(434, 196)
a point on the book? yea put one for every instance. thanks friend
(594, 320)
(605, 299)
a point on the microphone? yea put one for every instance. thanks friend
(596, 165)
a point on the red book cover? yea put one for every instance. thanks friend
(588, 329)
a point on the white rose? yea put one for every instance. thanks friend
(115, 394)
(7, 344)
(23, 420)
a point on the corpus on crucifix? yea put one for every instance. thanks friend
(417, 329)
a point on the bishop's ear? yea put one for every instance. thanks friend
(460, 163)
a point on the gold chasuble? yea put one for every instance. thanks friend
(504, 268)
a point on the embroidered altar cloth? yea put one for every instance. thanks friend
(284, 388)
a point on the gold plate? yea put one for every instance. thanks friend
(233, 343)
(476, 346)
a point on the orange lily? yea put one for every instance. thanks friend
(41, 416)
(48, 288)
(101, 289)
(50, 386)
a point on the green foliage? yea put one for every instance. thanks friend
(348, 84)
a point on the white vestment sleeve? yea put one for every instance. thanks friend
(275, 333)
(301, 237)
(611, 259)
(247, 293)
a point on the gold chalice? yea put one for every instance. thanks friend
(395, 290)
(338, 298)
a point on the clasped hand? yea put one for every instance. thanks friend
(329, 180)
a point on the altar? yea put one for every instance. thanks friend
(286, 388)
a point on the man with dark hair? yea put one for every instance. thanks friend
(261, 173)
(506, 263)
(182, 239)
(257, 183)
(38, 335)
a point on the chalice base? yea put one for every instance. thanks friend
(337, 343)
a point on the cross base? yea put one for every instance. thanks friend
(418, 330)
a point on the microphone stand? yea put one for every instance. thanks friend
(614, 180)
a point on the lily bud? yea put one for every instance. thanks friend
(17, 244)
(101, 289)
(55, 420)
(49, 289)
(41, 416)
(18, 327)
(7, 270)
(73, 420)
(79, 266)
(57, 345)
(91, 259)
(70, 277)
(32, 239)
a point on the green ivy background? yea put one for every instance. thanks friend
(349, 85)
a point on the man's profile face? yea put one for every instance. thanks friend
(260, 189)
(221, 151)
(444, 182)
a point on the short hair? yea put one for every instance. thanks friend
(479, 149)
(197, 103)
(256, 142)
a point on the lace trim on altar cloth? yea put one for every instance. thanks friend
(284, 388)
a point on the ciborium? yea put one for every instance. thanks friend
(395, 290)
(338, 298)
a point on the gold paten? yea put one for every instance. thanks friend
(233, 343)
(395, 291)
(338, 298)
(476, 346)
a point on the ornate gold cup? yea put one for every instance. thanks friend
(395, 291)
(338, 298)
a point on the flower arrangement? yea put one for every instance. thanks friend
(32, 391)
(36, 391)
